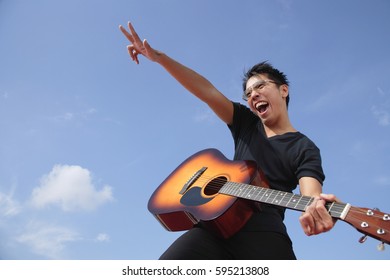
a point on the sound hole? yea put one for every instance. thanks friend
(215, 185)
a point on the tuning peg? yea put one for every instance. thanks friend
(363, 239)
(381, 246)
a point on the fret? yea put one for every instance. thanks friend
(246, 193)
(262, 193)
(266, 196)
(233, 189)
(329, 207)
(252, 192)
(279, 198)
(305, 202)
(273, 196)
(292, 204)
(287, 197)
(259, 194)
(336, 209)
(225, 188)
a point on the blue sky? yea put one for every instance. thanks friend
(87, 136)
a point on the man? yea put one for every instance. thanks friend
(263, 133)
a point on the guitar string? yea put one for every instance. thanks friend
(216, 183)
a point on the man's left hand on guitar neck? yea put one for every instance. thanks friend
(316, 218)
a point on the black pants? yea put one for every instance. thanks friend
(199, 244)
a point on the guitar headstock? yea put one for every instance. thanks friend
(370, 222)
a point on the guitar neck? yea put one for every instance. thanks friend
(281, 198)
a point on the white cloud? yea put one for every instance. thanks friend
(382, 115)
(68, 116)
(69, 187)
(47, 240)
(102, 237)
(8, 206)
(75, 116)
(91, 111)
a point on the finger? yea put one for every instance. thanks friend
(307, 223)
(329, 197)
(147, 48)
(127, 34)
(146, 44)
(142, 47)
(310, 219)
(319, 210)
(311, 209)
(133, 32)
(133, 53)
(324, 221)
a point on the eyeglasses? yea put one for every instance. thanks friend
(258, 86)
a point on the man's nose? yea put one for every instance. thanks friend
(255, 94)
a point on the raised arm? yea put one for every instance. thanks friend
(192, 81)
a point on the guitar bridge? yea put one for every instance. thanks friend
(192, 180)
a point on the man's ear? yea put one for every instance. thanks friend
(284, 90)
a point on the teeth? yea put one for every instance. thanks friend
(263, 103)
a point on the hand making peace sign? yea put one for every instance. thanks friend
(137, 46)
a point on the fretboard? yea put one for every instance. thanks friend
(280, 198)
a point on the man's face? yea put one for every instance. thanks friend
(266, 98)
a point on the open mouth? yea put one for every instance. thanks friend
(262, 107)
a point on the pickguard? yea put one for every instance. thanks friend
(193, 197)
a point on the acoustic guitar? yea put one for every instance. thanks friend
(209, 188)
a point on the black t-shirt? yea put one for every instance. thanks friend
(283, 159)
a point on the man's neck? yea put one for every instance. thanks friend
(280, 129)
